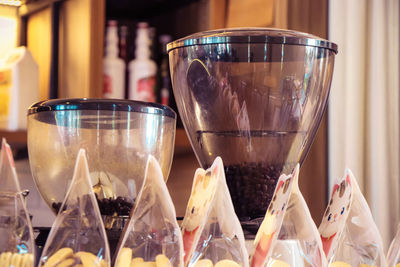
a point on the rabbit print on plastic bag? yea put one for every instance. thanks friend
(203, 191)
(153, 237)
(357, 241)
(298, 242)
(77, 237)
(269, 229)
(335, 215)
(212, 234)
(16, 233)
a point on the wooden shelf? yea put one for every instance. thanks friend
(182, 143)
(14, 137)
(181, 138)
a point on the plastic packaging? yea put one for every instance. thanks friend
(348, 231)
(16, 243)
(77, 236)
(153, 237)
(113, 67)
(298, 242)
(269, 229)
(393, 257)
(19, 88)
(212, 234)
(142, 70)
(335, 216)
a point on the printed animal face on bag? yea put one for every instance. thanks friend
(272, 221)
(291, 238)
(336, 213)
(203, 191)
(275, 209)
(279, 200)
(200, 199)
(212, 235)
(353, 238)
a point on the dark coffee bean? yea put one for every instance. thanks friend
(251, 186)
(56, 206)
(108, 206)
(265, 188)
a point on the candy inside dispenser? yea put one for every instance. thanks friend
(77, 237)
(254, 97)
(118, 136)
(153, 237)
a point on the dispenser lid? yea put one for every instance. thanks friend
(251, 36)
(101, 104)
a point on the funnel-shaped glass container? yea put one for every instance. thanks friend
(255, 97)
(118, 136)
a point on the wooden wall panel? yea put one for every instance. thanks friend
(81, 48)
(38, 42)
(250, 13)
(280, 14)
(74, 49)
(311, 16)
(217, 14)
(97, 24)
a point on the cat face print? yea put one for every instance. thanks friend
(279, 201)
(274, 215)
(200, 200)
(337, 210)
(277, 207)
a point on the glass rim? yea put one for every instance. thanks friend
(252, 36)
(122, 105)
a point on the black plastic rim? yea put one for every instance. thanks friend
(101, 104)
(251, 36)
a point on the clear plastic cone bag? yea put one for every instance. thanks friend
(348, 232)
(393, 257)
(16, 234)
(152, 237)
(77, 237)
(290, 237)
(212, 234)
(335, 216)
(270, 226)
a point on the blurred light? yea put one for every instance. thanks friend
(22, 249)
(10, 2)
(99, 255)
(8, 29)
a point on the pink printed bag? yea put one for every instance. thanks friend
(212, 233)
(348, 232)
(288, 235)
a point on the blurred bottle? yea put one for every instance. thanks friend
(19, 88)
(165, 80)
(124, 54)
(142, 70)
(113, 67)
